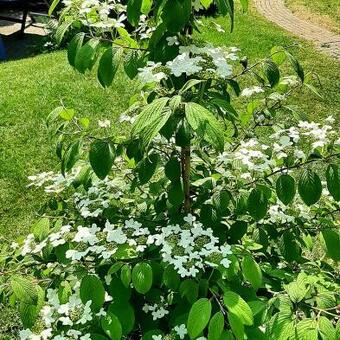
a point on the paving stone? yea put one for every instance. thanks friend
(276, 11)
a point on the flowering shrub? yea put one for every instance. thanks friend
(214, 216)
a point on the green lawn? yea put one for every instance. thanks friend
(31, 88)
(326, 12)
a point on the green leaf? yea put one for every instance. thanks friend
(118, 291)
(64, 292)
(216, 326)
(41, 228)
(142, 277)
(296, 291)
(332, 242)
(74, 46)
(252, 272)
(333, 181)
(24, 290)
(147, 168)
(236, 326)
(232, 114)
(278, 55)
(171, 18)
(92, 289)
(172, 169)
(257, 204)
(238, 307)
(306, 329)
(296, 66)
(171, 278)
(112, 326)
(86, 56)
(108, 65)
(271, 71)
(326, 329)
(151, 120)
(66, 114)
(325, 300)
(237, 230)
(134, 11)
(131, 64)
(221, 201)
(227, 7)
(125, 275)
(206, 3)
(189, 289)
(101, 155)
(290, 249)
(205, 124)
(53, 5)
(190, 84)
(70, 157)
(28, 312)
(146, 6)
(61, 30)
(176, 193)
(125, 314)
(309, 187)
(285, 188)
(199, 317)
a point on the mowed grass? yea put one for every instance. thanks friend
(31, 88)
(325, 12)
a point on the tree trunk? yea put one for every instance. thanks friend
(185, 163)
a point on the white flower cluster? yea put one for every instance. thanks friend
(72, 315)
(249, 91)
(57, 182)
(93, 202)
(96, 13)
(190, 249)
(191, 60)
(309, 134)
(157, 310)
(254, 158)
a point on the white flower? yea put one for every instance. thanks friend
(104, 123)
(75, 255)
(183, 63)
(25, 334)
(189, 219)
(157, 337)
(172, 40)
(247, 92)
(102, 312)
(87, 314)
(66, 321)
(46, 334)
(181, 331)
(74, 333)
(14, 245)
(87, 235)
(86, 337)
(225, 263)
(115, 235)
(148, 74)
(330, 119)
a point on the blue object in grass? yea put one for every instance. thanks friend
(2, 50)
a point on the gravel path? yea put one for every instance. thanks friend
(277, 12)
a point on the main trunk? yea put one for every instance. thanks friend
(185, 163)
